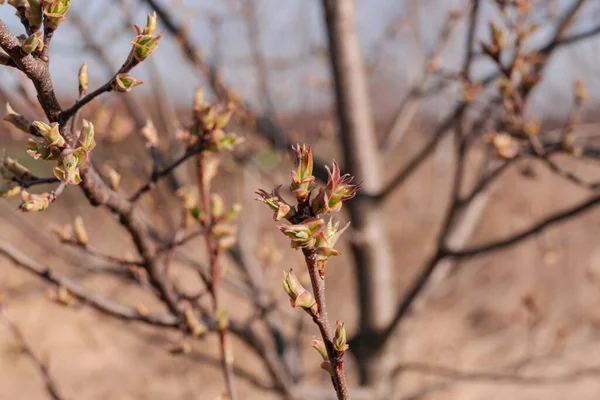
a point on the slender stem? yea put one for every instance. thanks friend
(215, 273)
(157, 175)
(321, 319)
(67, 114)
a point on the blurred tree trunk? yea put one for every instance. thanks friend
(369, 242)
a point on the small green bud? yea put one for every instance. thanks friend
(87, 133)
(33, 43)
(56, 12)
(123, 83)
(303, 235)
(144, 45)
(83, 78)
(302, 180)
(67, 170)
(339, 339)
(9, 189)
(51, 133)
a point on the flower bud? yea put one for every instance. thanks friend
(221, 319)
(150, 135)
(303, 235)
(302, 180)
(87, 132)
(144, 45)
(276, 203)
(83, 78)
(150, 28)
(337, 190)
(17, 120)
(113, 177)
(34, 202)
(339, 339)
(51, 133)
(56, 13)
(318, 345)
(80, 232)
(123, 83)
(299, 296)
(67, 170)
(33, 43)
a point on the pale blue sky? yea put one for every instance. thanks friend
(289, 30)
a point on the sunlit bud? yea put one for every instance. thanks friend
(56, 13)
(581, 92)
(34, 202)
(224, 116)
(339, 188)
(33, 43)
(17, 120)
(63, 233)
(83, 78)
(221, 319)
(303, 235)
(80, 232)
(193, 326)
(339, 339)
(124, 83)
(144, 45)
(37, 150)
(150, 28)
(150, 135)
(87, 136)
(67, 170)
(274, 200)
(51, 133)
(299, 296)
(318, 345)
(302, 180)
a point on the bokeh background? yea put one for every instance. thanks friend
(522, 322)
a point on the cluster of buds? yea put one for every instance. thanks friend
(74, 233)
(53, 147)
(210, 123)
(146, 40)
(223, 231)
(308, 229)
(49, 12)
(339, 346)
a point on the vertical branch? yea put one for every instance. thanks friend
(216, 274)
(372, 256)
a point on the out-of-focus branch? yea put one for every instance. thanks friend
(525, 233)
(264, 125)
(49, 382)
(96, 300)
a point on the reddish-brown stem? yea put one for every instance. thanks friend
(215, 273)
(321, 319)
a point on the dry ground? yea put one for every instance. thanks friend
(474, 320)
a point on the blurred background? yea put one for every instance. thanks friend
(513, 316)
